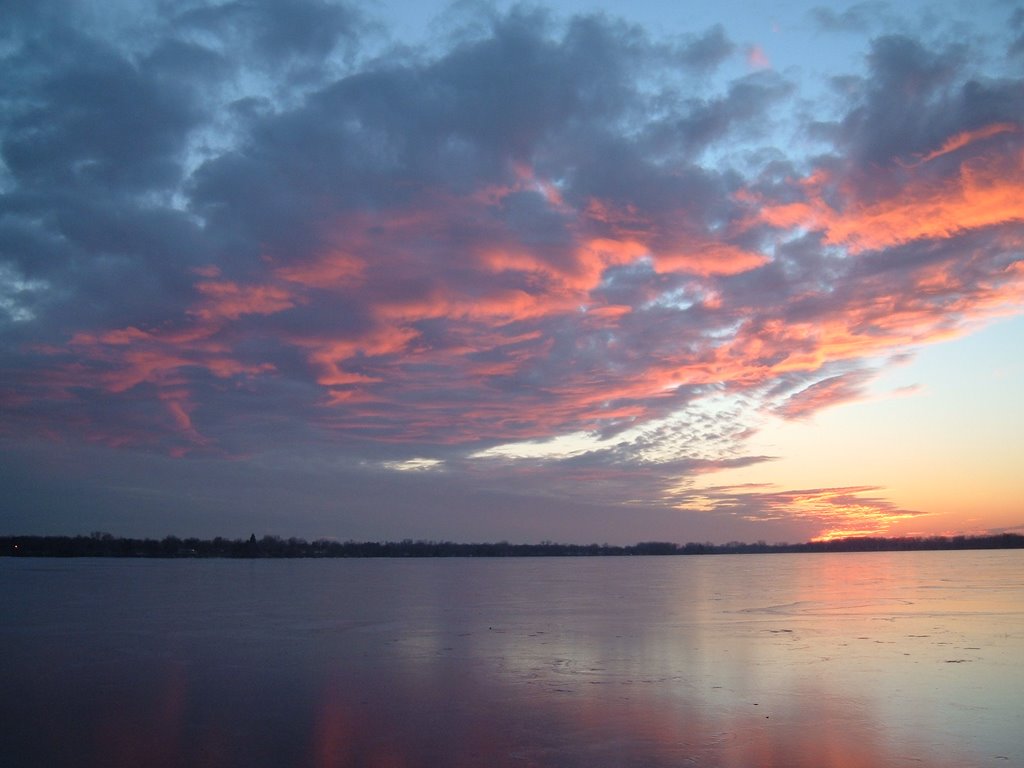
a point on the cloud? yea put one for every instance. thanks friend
(822, 394)
(982, 192)
(915, 97)
(965, 138)
(275, 31)
(254, 229)
(757, 58)
(833, 512)
(859, 17)
(707, 51)
(1017, 25)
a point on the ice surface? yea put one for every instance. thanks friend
(853, 659)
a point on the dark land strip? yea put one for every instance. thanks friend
(101, 544)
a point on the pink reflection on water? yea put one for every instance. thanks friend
(775, 661)
(600, 724)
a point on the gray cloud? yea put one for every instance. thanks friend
(87, 119)
(273, 32)
(859, 17)
(707, 51)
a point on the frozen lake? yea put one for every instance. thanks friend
(816, 660)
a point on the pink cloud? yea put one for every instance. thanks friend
(757, 58)
(834, 390)
(332, 270)
(223, 299)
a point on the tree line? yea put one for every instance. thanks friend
(100, 544)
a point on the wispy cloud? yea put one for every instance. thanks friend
(827, 392)
(833, 512)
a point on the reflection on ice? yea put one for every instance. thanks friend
(775, 660)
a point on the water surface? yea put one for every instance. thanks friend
(851, 659)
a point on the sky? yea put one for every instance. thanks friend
(579, 272)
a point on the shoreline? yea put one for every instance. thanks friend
(107, 545)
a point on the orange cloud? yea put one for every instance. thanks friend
(133, 357)
(931, 305)
(119, 360)
(707, 258)
(226, 300)
(116, 366)
(332, 270)
(496, 305)
(632, 236)
(609, 311)
(328, 355)
(986, 191)
(962, 139)
(837, 512)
